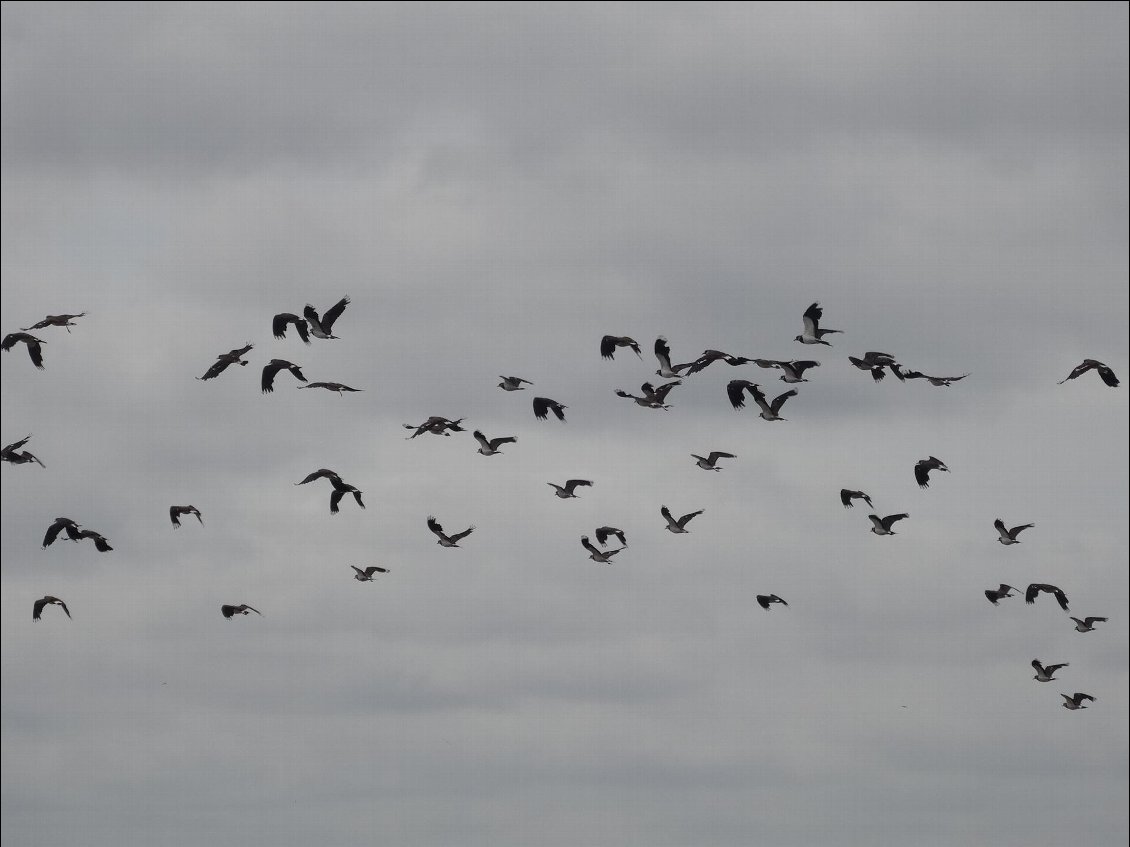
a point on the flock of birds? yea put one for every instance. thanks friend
(311, 324)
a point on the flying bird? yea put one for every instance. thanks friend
(653, 398)
(922, 470)
(341, 488)
(710, 462)
(175, 513)
(998, 594)
(55, 320)
(875, 362)
(604, 532)
(447, 540)
(1075, 701)
(436, 425)
(490, 447)
(331, 386)
(242, 609)
(280, 322)
(882, 526)
(1104, 372)
(933, 380)
(663, 354)
(602, 557)
(769, 411)
(609, 343)
(566, 491)
(33, 348)
(764, 600)
(513, 383)
(847, 495)
(709, 357)
(1046, 673)
(366, 575)
(678, 526)
(813, 334)
(322, 327)
(58, 526)
(100, 542)
(37, 607)
(273, 367)
(793, 371)
(232, 357)
(1087, 624)
(1008, 536)
(15, 456)
(321, 473)
(1036, 587)
(543, 405)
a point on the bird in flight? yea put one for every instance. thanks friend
(792, 371)
(603, 533)
(513, 383)
(1045, 673)
(322, 327)
(100, 542)
(663, 354)
(566, 491)
(609, 343)
(489, 447)
(875, 362)
(436, 425)
(709, 463)
(1075, 701)
(366, 575)
(38, 606)
(709, 357)
(923, 467)
(602, 557)
(1104, 372)
(653, 398)
(331, 386)
(34, 351)
(1036, 587)
(769, 411)
(273, 367)
(882, 526)
(1008, 536)
(15, 456)
(1087, 624)
(232, 357)
(444, 539)
(55, 320)
(998, 594)
(933, 380)
(847, 495)
(813, 334)
(242, 609)
(765, 600)
(175, 513)
(284, 319)
(58, 526)
(678, 526)
(543, 406)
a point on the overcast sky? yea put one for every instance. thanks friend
(496, 187)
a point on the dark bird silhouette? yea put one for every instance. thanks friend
(341, 488)
(609, 343)
(34, 351)
(847, 495)
(331, 386)
(175, 513)
(280, 322)
(543, 406)
(366, 575)
(710, 463)
(1008, 536)
(1087, 624)
(769, 411)
(242, 609)
(322, 327)
(37, 607)
(489, 447)
(792, 371)
(55, 320)
(1046, 673)
(882, 526)
(663, 354)
(604, 532)
(678, 526)
(599, 556)
(513, 383)
(273, 367)
(15, 456)
(933, 380)
(996, 595)
(321, 473)
(1104, 372)
(1036, 587)
(875, 362)
(922, 470)
(566, 491)
(765, 600)
(653, 398)
(436, 425)
(58, 526)
(232, 357)
(709, 357)
(100, 542)
(813, 334)
(1075, 701)
(447, 540)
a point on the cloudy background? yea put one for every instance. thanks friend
(496, 187)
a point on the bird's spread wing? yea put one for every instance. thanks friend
(333, 314)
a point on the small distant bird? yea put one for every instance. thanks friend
(1087, 624)
(366, 575)
(341, 488)
(490, 447)
(242, 609)
(764, 600)
(599, 556)
(1075, 701)
(663, 354)
(1104, 371)
(322, 327)
(447, 540)
(321, 473)
(1045, 673)
(436, 425)
(875, 362)
(847, 495)
(273, 367)
(33, 348)
(882, 526)
(678, 526)
(710, 462)
(58, 526)
(813, 334)
(653, 398)
(1008, 536)
(543, 405)
(100, 542)
(709, 357)
(933, 380)
(769, 411)
(1036, 587)
(604, 532)
(566, 491)
(12, 453)
(280, 322)
(513, 383)
(996, 595)
(922, 470)
(331, 386)
(175, 513)
(232, 357)
(55, 320)
(37, 607)
(609, 343)
(793, 371)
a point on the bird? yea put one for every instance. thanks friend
(341, 488)
(1075, 701)
(33, 348)
(436, 425)
(543, 405)
(813, 334)
(769, 411)
(175, 513)
(331, 386)
(322, 327)
(882, 526)
(609, 343)
(273, 367)
(1036, 587)
(513, 383)
(604, 532)
(875, 362)
(280, 322)
(847, 495)
(653, 398)
(1008, 536)
(37, 607)
(58, 526)
(366, 575)
(15, 456)
(998, 594)
(1104, 372)
(100, 542)
(1087, 624)
(764, 600)
(933, 380)
(490, 447)
(242, 609)
(709, 357)
(447, 540)
(232, 357)
(321, 473)
(55, 320)
(793, 371)
(923, 467)
(566, 491)
(600, 556)
(678, 526)
(710, 462)
(663, 354)
(1045, 673)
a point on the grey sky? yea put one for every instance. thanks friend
(496, 187)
